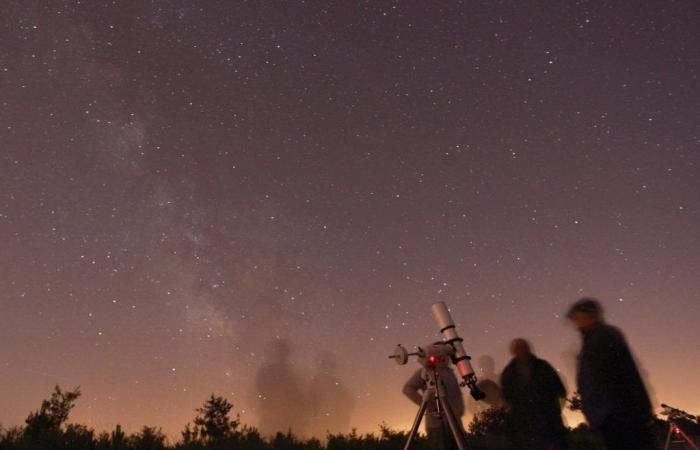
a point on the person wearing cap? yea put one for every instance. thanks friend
(614, 399)
(533, 391)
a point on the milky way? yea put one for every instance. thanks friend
(186, 185)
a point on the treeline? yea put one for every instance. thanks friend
(214, 428)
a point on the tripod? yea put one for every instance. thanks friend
(674, 429)
(675, 414)
(435, 392)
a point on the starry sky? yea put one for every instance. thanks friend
(185, 183)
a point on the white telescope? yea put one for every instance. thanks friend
(459, 357)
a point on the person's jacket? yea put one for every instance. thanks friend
(536, 396)
(416, 385)
(608, 379)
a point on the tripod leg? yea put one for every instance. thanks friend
(453, 422)
(668, 437)
(427, 396)
(687, 439)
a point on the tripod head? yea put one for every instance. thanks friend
(432, 356)
(450, 347)
(676, 414)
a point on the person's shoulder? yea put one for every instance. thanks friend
(417, 374)
(541, 362)
(486, 383)
(417, 377)
(508, 369)
(605, 337)
(611, 332)
(543, 365)
(603, 330)
(510, 364)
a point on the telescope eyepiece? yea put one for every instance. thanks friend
(474, 391)
(477, 393)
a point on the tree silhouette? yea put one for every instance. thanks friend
(78, 437)
(149, 438)
(490, 422)
(53, 412)
(116, 440)
(10, 439)
(44, 427)
(214, 429)
(574, 402)
(212, 424)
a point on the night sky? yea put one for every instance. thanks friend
(187, 186)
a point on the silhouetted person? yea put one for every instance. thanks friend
(533, 390)
(613, 397)
(281, 400)
(436, 426)
(330, 400)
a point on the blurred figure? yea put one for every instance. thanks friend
(330, 401)
(486, 375)
(436, 426)
(487, 383)
(613, 397)
(281, 401)
(533, 390)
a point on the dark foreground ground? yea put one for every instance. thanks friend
(214, 428)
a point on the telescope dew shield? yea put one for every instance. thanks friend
(449, 334)
(459, 356)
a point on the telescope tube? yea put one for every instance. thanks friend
(459, 357)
